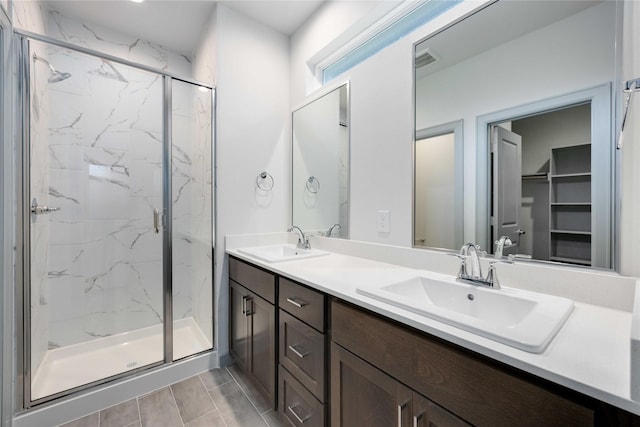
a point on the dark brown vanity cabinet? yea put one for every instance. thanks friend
(302, 343)
(364, 395)
(252, 324)
(378, 372)
(386, 374)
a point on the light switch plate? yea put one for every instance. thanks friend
(383, 221)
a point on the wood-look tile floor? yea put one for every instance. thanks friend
(217, 398)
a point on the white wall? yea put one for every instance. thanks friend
(330, 21)
(205, 54)
(253, 135)
(630, 153)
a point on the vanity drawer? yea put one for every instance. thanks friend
(253, 278)
(298, 406)
(302, 352)
(302, 302)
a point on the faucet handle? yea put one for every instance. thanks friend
(492, 274)
(462, 272)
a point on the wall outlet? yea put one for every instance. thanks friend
(383, 221)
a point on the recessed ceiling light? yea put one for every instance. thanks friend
(137, 1)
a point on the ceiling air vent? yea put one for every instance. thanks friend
(424, 58)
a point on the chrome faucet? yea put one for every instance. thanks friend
(333, 227)
(470, 270)
(303, 241)
(503, 242)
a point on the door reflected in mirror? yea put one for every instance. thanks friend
(438, 186)
(320, 165)
(538, 155)
(548, 214)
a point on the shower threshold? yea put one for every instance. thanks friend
(79, 364)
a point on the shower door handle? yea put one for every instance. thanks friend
(156, 220)
(41, 209)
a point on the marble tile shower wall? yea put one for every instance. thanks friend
(124, 46)
(35, 16)
(105, 173)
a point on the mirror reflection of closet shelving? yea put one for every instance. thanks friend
(570, 204)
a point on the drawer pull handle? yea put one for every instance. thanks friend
(248, 306)
(244, 304)
(301, 420)
(417, 419)
(400, 409)
(295, 351)
(297, 303)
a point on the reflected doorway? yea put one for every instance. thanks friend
(438, 182)
(547, 214)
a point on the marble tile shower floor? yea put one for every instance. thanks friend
(217, 398)
(71, 366)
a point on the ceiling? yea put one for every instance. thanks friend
(179, 24)
(514, 19)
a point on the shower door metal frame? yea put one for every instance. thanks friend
(7, 218)
(23, 238)
(167, 216)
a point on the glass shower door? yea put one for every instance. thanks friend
(192, 218)
(95, 190)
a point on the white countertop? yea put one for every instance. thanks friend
(590, 354)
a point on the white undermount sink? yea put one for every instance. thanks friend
(521, 319)
(278, 253)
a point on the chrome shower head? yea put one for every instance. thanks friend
(56, 76)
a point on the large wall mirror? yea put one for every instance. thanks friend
(514, 131)
(320, 169)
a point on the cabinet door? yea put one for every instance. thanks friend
(238, 325)
(262, 348)
(363, 396)
(427, 414)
